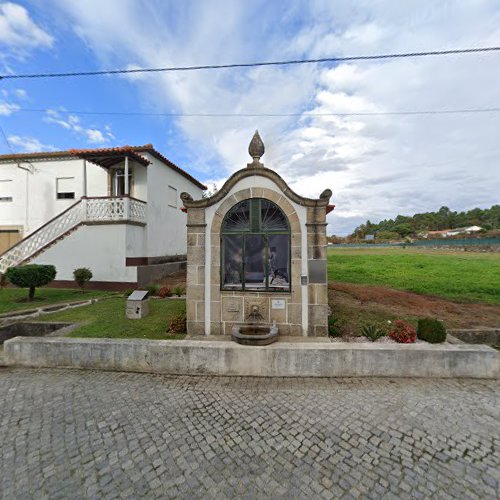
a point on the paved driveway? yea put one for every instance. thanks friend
(77, 434)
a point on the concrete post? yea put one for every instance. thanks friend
(127, 187)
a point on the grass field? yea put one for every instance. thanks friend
(106, 319)
(14, 299)
(463, 277)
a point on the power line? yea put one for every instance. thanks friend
(254, 64)
(264, 115)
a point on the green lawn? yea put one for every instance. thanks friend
(464, 277)
(14, 299)
(106, 319)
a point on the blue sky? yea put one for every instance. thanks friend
(377, 167)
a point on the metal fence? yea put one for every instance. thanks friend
(460, 242)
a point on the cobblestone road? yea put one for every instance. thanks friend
(76, 434)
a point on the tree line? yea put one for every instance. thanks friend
(403, 226)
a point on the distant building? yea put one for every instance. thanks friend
(445, 233)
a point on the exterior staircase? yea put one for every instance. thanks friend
(97, 210)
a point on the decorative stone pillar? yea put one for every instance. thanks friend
(195, 283)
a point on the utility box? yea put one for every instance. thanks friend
(137, 305)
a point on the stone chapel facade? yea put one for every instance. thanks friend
(256, 245)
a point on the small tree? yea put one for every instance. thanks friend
(82, 275)
(31, 276)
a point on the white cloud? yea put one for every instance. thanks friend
(28, 144)
(19, 31)
(73, 123)
(425, 161)
(95, 136)
(7, 108)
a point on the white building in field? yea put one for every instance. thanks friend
(116, 211)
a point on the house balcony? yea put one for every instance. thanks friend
(113, 209)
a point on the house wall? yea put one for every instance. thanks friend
(101, 248)
(166, 225)
(34, 194)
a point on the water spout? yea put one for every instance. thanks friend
(255, 315)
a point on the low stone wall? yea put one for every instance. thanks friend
(489, 336)
(278, 360)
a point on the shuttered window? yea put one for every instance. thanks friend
(5, 190)
(172, 197)
(65, 187)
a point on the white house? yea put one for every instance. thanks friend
(114, 210)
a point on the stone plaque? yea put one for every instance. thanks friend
(278, 304)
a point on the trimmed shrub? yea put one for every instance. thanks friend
(431, 330)
(177, 324)
(402, 332)
(372, 332)
(152, 289)
(164, 291)
(178, 290)
(31, 276)
(335, 326)
(82, 275)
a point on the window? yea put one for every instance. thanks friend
(255, 247)
(172, 197)
(118, 182)
(5, 190)
(65, 187)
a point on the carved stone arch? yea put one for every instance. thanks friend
(296, 255)
(249, 193)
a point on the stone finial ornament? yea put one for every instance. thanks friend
(256, 149)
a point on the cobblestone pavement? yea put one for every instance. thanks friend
(76, 434)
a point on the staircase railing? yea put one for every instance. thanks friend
(86, 210)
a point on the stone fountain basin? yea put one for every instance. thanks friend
(254, 334)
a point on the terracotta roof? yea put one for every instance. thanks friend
(94, 154)
(148, 148)
(106, 157)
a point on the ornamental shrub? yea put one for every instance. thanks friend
(82, 275)
(431, 330)
(179, 290)
(372, 332)
(402, 332)
(336, 326)
(152, 289)
(164, 291)
(31, 276)
(177, 324)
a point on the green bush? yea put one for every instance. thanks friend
(431, 330)
(152, 289)
(82, 275)
(31, 276)
(128, 292)
(178, 290)
(335, 326)
(3, 280)
(372, 331)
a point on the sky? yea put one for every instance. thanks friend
(377, 166)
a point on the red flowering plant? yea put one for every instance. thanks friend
(403, 333)
(164, 291)
(177, 325)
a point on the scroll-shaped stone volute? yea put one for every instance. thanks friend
(326, 194)
(256, 150)
(186, 197)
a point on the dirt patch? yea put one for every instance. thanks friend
(174, 280)
(362, 303)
